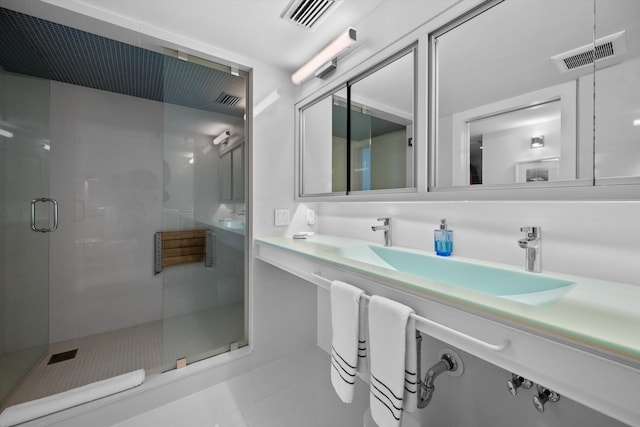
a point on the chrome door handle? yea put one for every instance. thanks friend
(33, 215)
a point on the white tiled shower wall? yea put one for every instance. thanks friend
(120, 171)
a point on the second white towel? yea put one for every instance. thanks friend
(392, 354)
(345, 340)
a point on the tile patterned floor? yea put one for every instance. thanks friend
(152, 346)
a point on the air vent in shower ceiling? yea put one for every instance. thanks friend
(226, 99)
(608, 50)
(308, 13)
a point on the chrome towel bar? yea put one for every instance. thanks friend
(428, 326)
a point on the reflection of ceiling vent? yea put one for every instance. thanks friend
(608, 50)
(226, 99)
(307, 13)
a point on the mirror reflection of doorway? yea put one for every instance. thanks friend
(475, 160)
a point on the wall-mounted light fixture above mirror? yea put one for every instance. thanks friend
(325, 57)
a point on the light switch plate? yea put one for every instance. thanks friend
(281, 217)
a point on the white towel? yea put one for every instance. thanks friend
(345, 326)
(31, 410)
(388, 338)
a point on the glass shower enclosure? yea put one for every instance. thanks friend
(128, 153)
(24, 252)
(203, 306)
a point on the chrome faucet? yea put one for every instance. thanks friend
(386, 227)
(532, 244)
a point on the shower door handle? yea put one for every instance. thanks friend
(33, 215)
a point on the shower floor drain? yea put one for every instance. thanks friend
(61, 357)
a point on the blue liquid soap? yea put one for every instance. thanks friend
(443, 239)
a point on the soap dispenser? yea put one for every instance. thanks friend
(443, 239)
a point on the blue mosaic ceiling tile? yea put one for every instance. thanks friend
(44, 49)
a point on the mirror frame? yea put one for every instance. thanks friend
(299, 135)
(585, 189)
(591, 188)
(566, 93)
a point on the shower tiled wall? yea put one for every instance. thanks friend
(107, 156)
(120, 171)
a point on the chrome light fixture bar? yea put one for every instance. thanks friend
(328, 53)
(217, 140)
(222, 137)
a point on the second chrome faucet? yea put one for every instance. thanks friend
(532, 244)
(386, 227)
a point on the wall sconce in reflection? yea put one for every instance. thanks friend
(222, 138)
(537, 141)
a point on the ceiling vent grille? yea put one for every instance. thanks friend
(586, 58)
(226, 99)
(608, 50)
(308, 13)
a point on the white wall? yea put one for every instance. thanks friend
(502, 150)
(106, 163)
(316, 159)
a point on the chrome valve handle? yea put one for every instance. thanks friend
(544, 395)
(516, 382)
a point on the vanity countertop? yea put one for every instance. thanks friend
(594, 313)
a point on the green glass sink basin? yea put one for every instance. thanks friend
(528, 288)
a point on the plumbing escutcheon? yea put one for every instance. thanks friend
(454, 359)
(516, 382)
(544, 395)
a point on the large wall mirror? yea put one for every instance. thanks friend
(512, 89)
(505, 113)
(359, 138)
(617, 107)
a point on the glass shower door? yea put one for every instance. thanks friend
(24, 206)
(203, 302)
